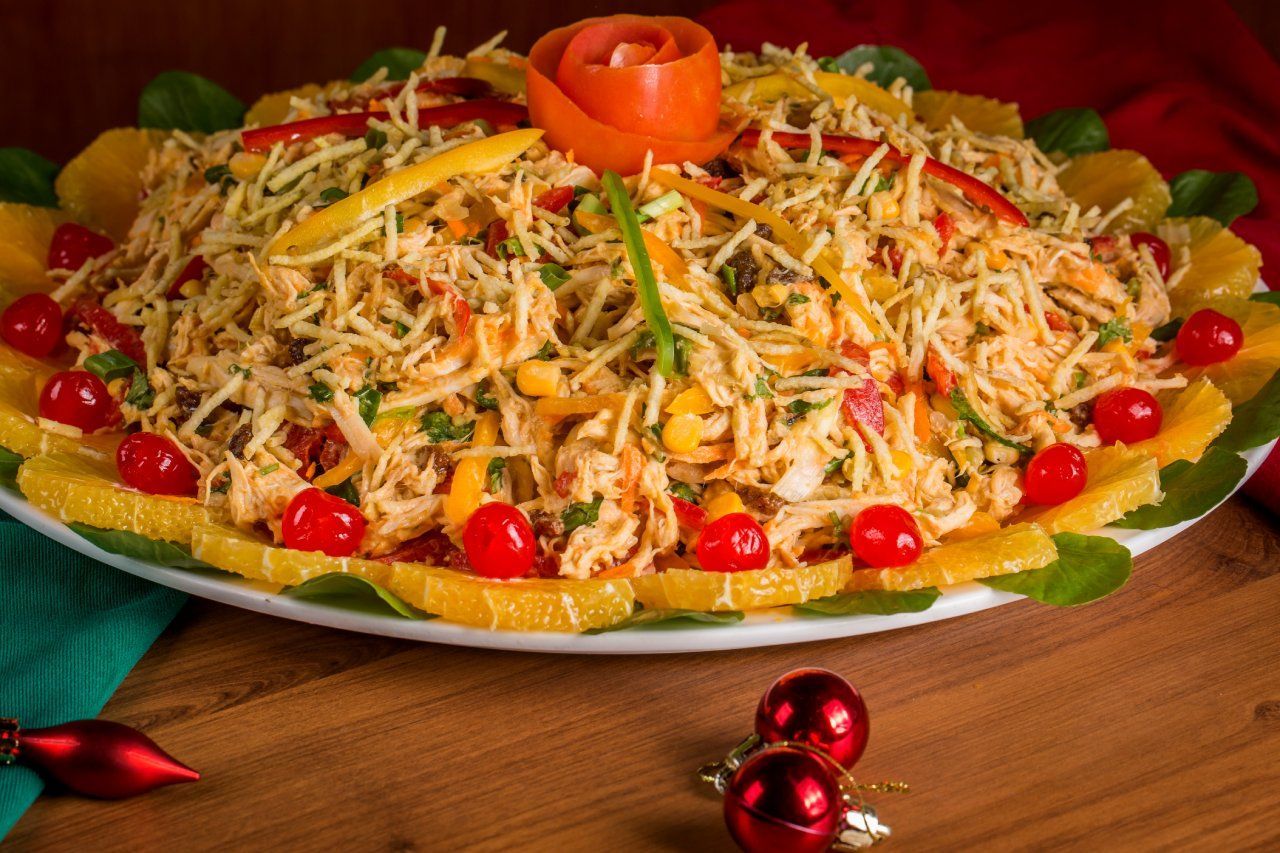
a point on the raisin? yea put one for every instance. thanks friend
(746, 269)
(1081, 415)
(239, 439)
(782, 275)
(298, 350)
(762, 501)
(719, 168)
(546, 523)
(764, 231)
(188, 400)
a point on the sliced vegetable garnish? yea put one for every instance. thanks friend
(1190, 490)
(352, 592)
(485, 155)
(179, 100)
(1223, 196)
(1087, 568)
(973, 189)
(878, 602)
(965, 411)
(1070, 131)
(356, 124)
(27, 178)
(654, 314)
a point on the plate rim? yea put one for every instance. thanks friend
(762, 628)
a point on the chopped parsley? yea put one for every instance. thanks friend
(320, 392)
(546, 352)
(1114, 329)
(797, 299)
(217, 174)
(494, 473)
(329, 195)
(369, 398)
(553, 275)
(1168, 331)
(375, 138)
(440, 427)
(804, 407)
(347, 491)
(580, 514)
(243, 371)
(401, 329)
(762, 390)
(113, 364)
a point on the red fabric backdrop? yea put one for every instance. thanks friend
(1184, 83)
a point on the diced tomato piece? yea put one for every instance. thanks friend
(498, 231)
(938, 372)
(1056, 322)
(689, 514)
(895, 259)
(563, 483)
(864, 406)
(105, 325)
(553, 200)
(946, 228)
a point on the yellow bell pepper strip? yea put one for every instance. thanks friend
(841, 87)
(563, 407)
(350, 464)
(325, 226)
(469, 475)
(781, 227)
(664, 339)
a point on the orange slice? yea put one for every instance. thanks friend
(274, 108)
(1258, 360)
(235, 551)
(1193, 417)
(102, 185)
(25, 233)
(1106, 178)
(74, 488)
(516, 605)
(979, 114)
(1013, 549)
(1222, 266)
(1120, 479)
(693, 589)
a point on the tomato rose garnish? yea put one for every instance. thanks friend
(612, 89)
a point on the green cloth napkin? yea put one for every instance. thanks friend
(70, 630)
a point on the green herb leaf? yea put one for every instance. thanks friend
(1255, 421)
(179, 100)
(1223, 196)
(110, 365)
(1087, 568)
(485, 399)
(347, 491)
(129, 544)
(580, 514)
(644, 341)
(399, 62)
(1168, 331)
(1072, 131)
(1190, 490)
(762, 389)
(330, 195)
(400, 329)
(218, 174)
(140, 395)
(797, 299)
(803, 407)
(494, 473)
(321, 393)
(369, 398)
(1113, 329)
(375, 138)
(872, 601)
(9, 464)
(352, 592)
(552, 275)
(546, 352)
(440, 427)
(27, 178)
(888, 64)
(660, 619)
(966, 412)
(654, 314)
(1271, 297)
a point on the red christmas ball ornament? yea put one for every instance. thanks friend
(784, 800)
(97, 758)
(818, 708)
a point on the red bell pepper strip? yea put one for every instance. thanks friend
(461, 309)
(689, 514)
(462, 87)
(106, 326)
(1057, 322)
(939, 373)
(861, 405)
(356, 124)
(555, 199)
(946, 228)
(193, 271)
(498, 232)
(973, 189)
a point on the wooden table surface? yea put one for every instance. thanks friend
(1148, 720)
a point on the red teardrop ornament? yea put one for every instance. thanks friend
(97, 758)
(818, 708)
(783, 800)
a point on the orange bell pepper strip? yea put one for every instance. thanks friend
(479, 157)
(613, 89)
(469, 475)
(563, 407)
(666, 257)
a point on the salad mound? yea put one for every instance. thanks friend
(637, 322)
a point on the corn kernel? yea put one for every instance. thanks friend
(691, 401)
(996, 258)
(682, 433)
(879, 284)
(246, 165)
(538, 379)
(723, 504)
(882, 205)
(902, 461)
(770, 295)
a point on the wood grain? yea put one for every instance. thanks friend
(1146, 721)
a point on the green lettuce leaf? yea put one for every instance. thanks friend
(658, 618)
(1087, 568)
(1224, 196)
(1255, 421)
(873, 601)
(352, 592)
(9, 464)
(888, 64)
(129, 544)
(27, 178)
(1271, 297)
(1190, 490)
(1071, 131)
(399, 62)
(179, 100)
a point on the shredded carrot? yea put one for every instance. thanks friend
(622, 570)
(632, 465)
